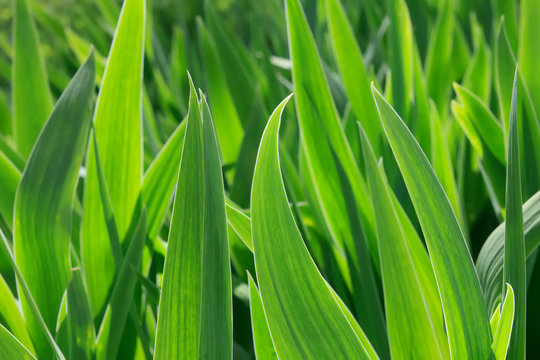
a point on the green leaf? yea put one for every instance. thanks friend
(353, 72)
(514, 271)
(466, 317)
(43, 204)
(331, 166)
(160, 179)
(28, 295)
(241, 225)
(262, 341)
(529, 48)
(215, 338)
(503, 335)
(415, 328)
(400, 55)
(117, 121)
(290, 284)
(484, 121)
(116, 313)
(12, 316)
(491, 258)
(11, 348)
(8, 186)
(82, 329)
(494, 320)
(228, 126)
(478, 75)
(441, 161)
(31, 97)
(529, 127)
(195, 310)
(439, 55)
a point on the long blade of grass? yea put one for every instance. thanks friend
(327, 153)
(31, 99)
(353, 72)
(262, 340)
(514, 271)
(529, 48)
(43, 204)
(11, 347)
(415, 327)
(290, 284)
(228, 126)
(400, 54)
(195, 310)
(216, 337)
(466, 317)
(117, 120)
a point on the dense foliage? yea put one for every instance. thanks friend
(353, 179)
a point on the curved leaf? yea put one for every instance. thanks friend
(415, 328)
(338, 187)
(502, 336)
(117, 121)
(43, 204)
(466, 316)
(262, 341)
(31, 99)
(290, 284)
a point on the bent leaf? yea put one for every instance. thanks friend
(466, 316)
(290, 284)
(415, 328)
(43, 204)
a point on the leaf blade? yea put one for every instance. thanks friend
(451, 260)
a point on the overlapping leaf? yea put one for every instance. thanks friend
(43, 204)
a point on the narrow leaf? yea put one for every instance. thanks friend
(503, 335)
(412, 329)
(262, 341)
(43, 204)
(331, 166)
(117, 121)
(514, 271)
(196, 296)
(160, 179)
(290, 284)
(11, 348)
(466, 316)
(31, 99)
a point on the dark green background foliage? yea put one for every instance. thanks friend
(293, 179)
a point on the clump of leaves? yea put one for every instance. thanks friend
(381, 217)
